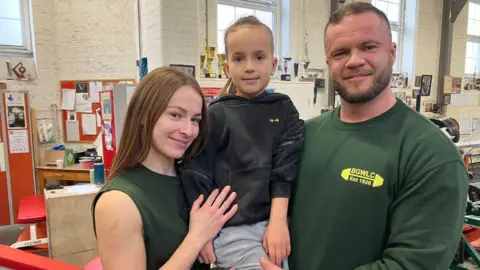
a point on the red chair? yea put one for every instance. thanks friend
(31, 211)
(94, 264)
(18, 259)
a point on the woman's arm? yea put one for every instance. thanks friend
(119, 232)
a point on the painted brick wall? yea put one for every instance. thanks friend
(427, 41)
(78, 39)
(43, 90)
(98, 42)
(150, 11)
(179, 30)
(171, 32)
(459, 43)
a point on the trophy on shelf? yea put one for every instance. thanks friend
(221, 57)
(306, 61)
(286, 76)
(295, 69)
(210, 55)
(202, 65)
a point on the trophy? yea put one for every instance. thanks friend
(295, 69)
(306, 61)
(305, 65)
(286, 60)
(286, 76)
(221, 57)
(210, 55)
(202, 65)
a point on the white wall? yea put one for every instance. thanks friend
(79, 39)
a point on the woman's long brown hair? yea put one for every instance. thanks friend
(248, 21)
(147, 104)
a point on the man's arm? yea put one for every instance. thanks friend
(426, 220)
(197, 174)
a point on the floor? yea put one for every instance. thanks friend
(9, 235)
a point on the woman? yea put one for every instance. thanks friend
(137, 214)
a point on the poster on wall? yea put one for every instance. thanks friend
(106, 103)
(18, 141)
(16, 115)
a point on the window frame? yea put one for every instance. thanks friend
(398, 26)
(471, 38)
(26, 49)
(273, 6)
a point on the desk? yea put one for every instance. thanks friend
(72, 173)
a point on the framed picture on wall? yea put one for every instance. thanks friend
(426, 85)
(189, 69)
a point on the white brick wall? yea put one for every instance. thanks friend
(44, 90)
(180, 32)
(427, 41)
(98, 42)
(171, 32)
(459, 43)
(81, 39)
(150, 12)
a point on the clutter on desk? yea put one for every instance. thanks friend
(59, 156)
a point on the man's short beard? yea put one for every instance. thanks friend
(379, 84)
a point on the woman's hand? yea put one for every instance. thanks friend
(206, 221)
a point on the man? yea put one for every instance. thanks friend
(379, 186)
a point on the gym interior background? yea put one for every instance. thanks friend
(59, 41)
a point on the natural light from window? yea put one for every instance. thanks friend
(11, 32)
(394, 11)
(472, 57)
(228, 14)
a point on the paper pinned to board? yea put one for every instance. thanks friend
(73, 133)
(68, 99)
(18, 141)
(89, 125)
(83, 103)
(95, 88)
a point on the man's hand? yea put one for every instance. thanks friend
(267, 265)
(207, 255)
(276, 241)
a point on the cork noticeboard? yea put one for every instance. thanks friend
(87, 103)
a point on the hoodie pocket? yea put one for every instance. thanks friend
(252, 186)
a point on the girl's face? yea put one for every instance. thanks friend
(250, 60)
(178, 126)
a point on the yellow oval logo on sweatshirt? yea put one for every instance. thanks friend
(363, 177)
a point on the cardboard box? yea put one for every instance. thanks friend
(71, 238)
(3, 86)
(51, 156)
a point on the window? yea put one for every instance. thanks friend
(394, 11)
(228, 11)
(15, 26)
(472, 57)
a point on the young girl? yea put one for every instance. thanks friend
(137, 214)
(254, 145)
